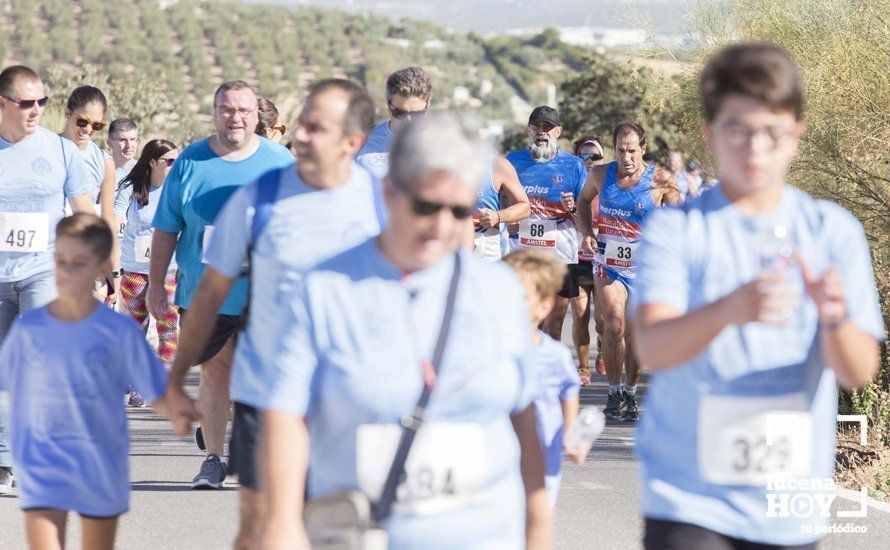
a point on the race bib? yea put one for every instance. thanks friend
(750, 440)
(537, 233)
(205, 243)
(446, 468)
(620, 254)
(24, 231)
(142, 251)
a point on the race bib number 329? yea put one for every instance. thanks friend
(24, 231)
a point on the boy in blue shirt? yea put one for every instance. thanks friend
(68, 422)
(747, 343)
(557, 402)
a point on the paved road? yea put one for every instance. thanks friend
(597, 509)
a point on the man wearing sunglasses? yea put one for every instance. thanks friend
(552, 179)
(199, 183)
(39, 170)
(281, 223)
(408, 95)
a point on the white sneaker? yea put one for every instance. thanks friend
(6, 479)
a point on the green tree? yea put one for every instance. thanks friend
(609, 92)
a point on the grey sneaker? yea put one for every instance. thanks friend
(615, 405)
(6, 479)
(212, 475)
(632, 411)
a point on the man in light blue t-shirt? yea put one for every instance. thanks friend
(39, 171)
(201, 180)
(282, 223)
(356, 351)
(753, 301)
(408, 95)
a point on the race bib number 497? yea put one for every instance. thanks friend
(24, 231)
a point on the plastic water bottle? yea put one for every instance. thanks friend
(585, 429)
(776, 255)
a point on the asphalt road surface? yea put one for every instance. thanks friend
(597, 507)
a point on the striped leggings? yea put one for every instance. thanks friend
(134, 287)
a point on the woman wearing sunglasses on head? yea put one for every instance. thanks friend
(135, 203)
(268, 125)
(84, 118)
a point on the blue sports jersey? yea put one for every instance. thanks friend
(550, 228)
(487, 241)
(374, 154)
(620, 219)
(702, 444)
(196, 188)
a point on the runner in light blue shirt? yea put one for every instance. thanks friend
(283, 223)
(753, 301)
(359, 338)
(408, 95)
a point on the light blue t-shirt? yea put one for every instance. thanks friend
(350, 362)
(559, 381)
(122, 172)
(197, 187)
(136, 238)
(37, 175)
(307, 225)
(374, 154)
(94, 161)
(68, 424)
(689, 257)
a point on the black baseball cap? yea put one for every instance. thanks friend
(544, 114)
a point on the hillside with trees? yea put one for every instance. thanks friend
(159, 61)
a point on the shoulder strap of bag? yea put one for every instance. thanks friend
(413, 422)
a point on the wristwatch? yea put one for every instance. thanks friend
(116, 273)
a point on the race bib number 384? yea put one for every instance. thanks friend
(446, 468)
(751, 440)
(24, 231)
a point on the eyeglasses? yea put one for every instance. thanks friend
(281, 128)
(590, 156)
(83, 122)
(399, 114)
(424, 208)
(26, 104)
(738, 135)
(168, 161)
(229, 112)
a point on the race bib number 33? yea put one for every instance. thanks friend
(620, 254)
(750, 440)
(537, 233)
(446, 468)
(24, 231)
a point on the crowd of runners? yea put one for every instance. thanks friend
(391, 382)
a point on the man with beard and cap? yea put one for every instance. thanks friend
(552, 179)
(629, 190)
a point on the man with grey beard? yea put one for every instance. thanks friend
(552, 179)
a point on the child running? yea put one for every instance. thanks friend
(66, 365)
(557, 403)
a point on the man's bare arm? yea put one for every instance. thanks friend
(664, 189)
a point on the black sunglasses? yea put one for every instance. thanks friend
(83, 122)
(168, 161)
(421, 207)
(399, 114)
(27, 103)
(591, 156)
